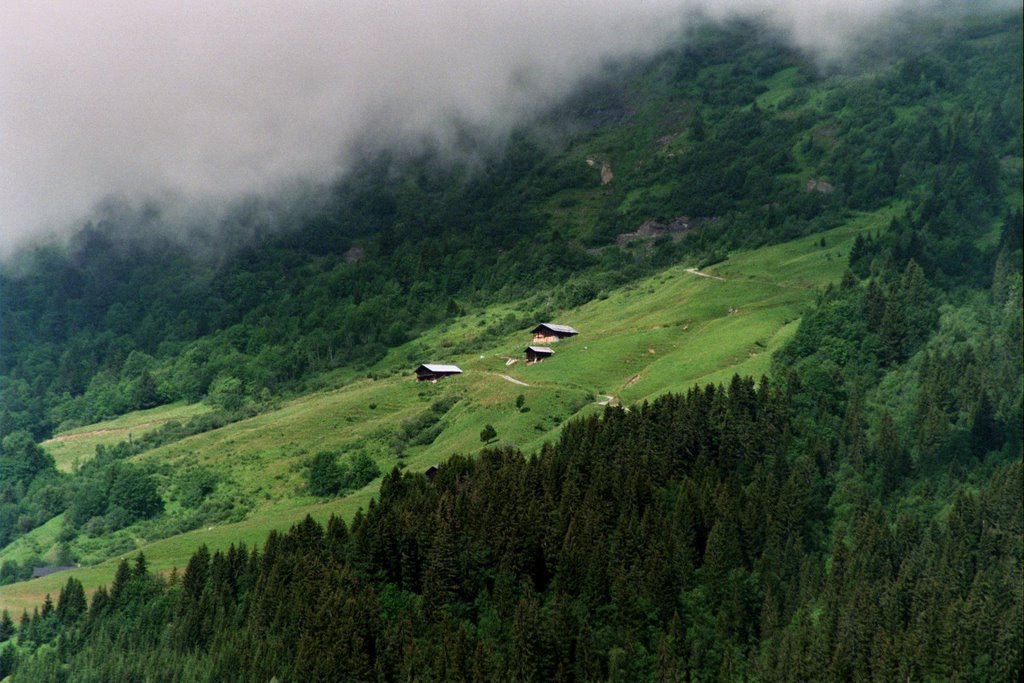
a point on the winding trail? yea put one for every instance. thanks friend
(694, 271)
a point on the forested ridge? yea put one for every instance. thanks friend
(855, 515)
(683, 540)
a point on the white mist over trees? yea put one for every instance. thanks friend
(209, 101)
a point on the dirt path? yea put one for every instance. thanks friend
(513, 380)
(103, 432)
(694, 271)
(607, 399)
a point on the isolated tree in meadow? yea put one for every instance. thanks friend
(488, 434)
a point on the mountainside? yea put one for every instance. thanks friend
(664, 333)
(721, 214)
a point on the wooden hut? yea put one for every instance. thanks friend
(535, 354)
(550, 332)
(431, 372)
(38, 572)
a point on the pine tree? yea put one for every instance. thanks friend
(23, 627)
(141, 568)
(892, 457)
(71, 604)
(100, 604)
(119, 587)
(441, 577)
(6, 626)
(893, 332)
(985, 434)
(854, 430)
(697, 128)
(47, 607)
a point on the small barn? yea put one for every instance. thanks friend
(431, 372)
(431, 472)
(38, 572)
(550, 332)
(535, 354)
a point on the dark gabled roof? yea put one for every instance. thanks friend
(440, 369)
(564, 329)
(46, 571)
(540, 349)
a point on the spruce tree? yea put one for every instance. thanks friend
(889, 453)
(71, 604)
(118, 589)
(6, 626)
(985, 433)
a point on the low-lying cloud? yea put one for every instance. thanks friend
(210, 100)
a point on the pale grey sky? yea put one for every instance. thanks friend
(207, 100)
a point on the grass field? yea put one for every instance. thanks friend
(663, 333)
(76, 446)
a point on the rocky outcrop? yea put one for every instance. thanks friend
(354, 255)
(817, 185)
(677, 227)
(606, 169)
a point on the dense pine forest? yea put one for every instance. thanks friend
(682, 540)
(857, 514)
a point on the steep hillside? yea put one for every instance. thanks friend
(734, 140)
(663, 333)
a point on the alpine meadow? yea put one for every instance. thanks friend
(704, 363)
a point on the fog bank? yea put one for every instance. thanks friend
(207, 101)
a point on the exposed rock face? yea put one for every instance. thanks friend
(676, 227)
(606, 169)
(354, 255)
(816, 185)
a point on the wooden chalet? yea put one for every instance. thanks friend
(38, 572)
(550, 332)
(431, 372)
(431, 472)
(535, 354)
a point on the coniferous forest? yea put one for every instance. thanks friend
(678, 541)
(854, 515)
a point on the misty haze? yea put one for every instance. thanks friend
(190, 102)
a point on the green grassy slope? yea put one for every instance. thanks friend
(76, 446)
(664, 333)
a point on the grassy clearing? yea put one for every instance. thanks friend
(42, 542)
(664, 333)
(780, 86)
(76, 446)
